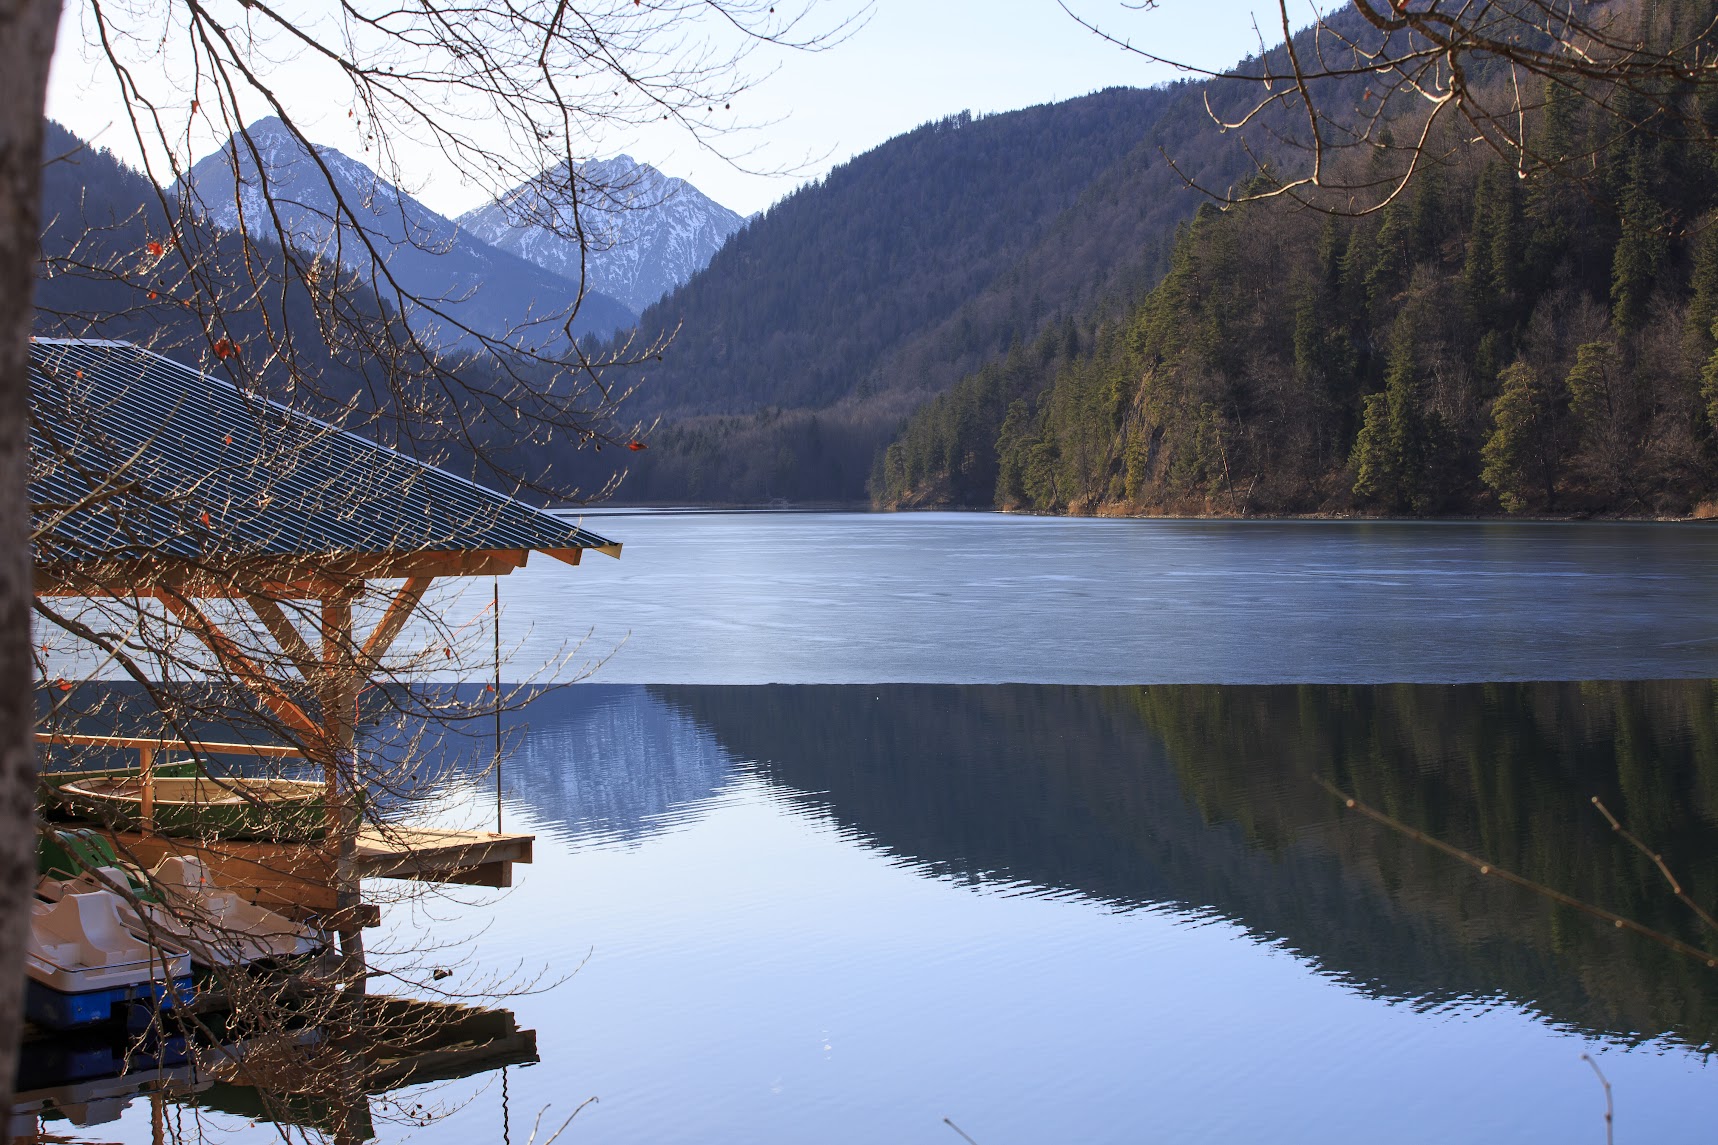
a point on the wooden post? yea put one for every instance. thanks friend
(338, 687)
(340, 682)
(146, 776)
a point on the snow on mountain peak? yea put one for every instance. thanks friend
(328, 202)
(643, 233)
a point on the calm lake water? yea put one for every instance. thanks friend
(982, 598)
(1028, 833)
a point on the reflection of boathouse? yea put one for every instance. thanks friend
(292, 1077)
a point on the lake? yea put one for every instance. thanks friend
(871, 821)
(983, 598)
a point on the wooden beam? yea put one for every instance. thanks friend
(393, 566)
(571, 556)
(285, 633)
(287, 577)
(399, 611)
(267, 751)
(235, 661)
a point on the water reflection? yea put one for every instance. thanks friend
(603, 763)
(1202, 797)
(336, 1072)
(789, 913)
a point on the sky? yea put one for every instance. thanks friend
(909, 62)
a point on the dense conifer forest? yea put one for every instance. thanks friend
(1494, 340)
(824, 323)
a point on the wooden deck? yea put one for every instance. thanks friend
(475, 858)
(298, 878)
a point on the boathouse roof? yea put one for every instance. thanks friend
(137, 457)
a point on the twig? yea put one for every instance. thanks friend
(1610, 1110)
(1658, 861)
(959, 1130)
(1486, 868)
(550, 1140)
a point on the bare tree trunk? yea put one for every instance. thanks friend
(27, 29)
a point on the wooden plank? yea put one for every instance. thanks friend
(266, 751)
(280, 876)
(467, 858)
(427, 853)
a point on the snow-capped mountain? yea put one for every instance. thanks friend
(645, 232)
(427, 254)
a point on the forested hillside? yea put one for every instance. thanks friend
(1537, 344)
(825, 322)
(98, 278)
(811, 338)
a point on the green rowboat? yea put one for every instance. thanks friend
(203, 807)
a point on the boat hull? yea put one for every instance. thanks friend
(133, 1005)
(273, 810)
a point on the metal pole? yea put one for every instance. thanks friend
(495, 603)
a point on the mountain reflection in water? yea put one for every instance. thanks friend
(1099, 914)
(1203, 798)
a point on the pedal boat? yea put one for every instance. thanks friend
(203, 807)
(83, 966)
(180, 902)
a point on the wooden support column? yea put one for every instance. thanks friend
(341, 679)
(146, 776)
(340, 682)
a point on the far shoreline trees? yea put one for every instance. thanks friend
(1481, 337)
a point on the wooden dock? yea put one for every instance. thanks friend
(474, 858)
(298, 878)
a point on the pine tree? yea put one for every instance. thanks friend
(1522, 454)
(1393, 258)
(1392, 452)
(1697, 337)
(1476, 266)
(1491, 271)
(1709, 381)
(1374, 466)
(1641, 251)
(1309, 341)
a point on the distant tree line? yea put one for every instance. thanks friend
(1534, 339)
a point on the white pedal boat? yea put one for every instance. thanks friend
(84, 966)
(193, 913)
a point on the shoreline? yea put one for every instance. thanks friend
(1708, 516)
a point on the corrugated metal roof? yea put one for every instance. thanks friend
(130, 450)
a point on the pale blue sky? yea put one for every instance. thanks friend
(911, 62)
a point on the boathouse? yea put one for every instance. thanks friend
(158, 484)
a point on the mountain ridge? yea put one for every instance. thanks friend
(645, 233)
(421, 258)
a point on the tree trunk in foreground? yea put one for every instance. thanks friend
(27, 29)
